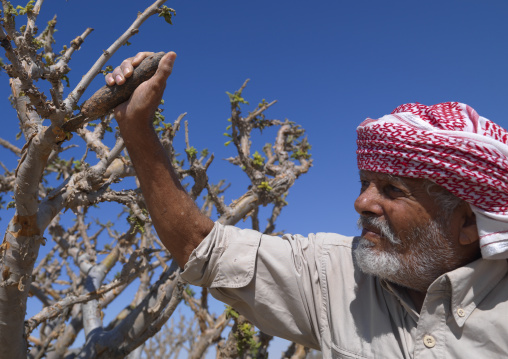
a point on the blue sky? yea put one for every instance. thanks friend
(330, 64)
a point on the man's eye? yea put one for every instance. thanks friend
(363, 185)
(394, 189)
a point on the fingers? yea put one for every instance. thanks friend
(140, 56)
(125, 69)
(147, 96)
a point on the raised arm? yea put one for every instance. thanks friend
(178, 221)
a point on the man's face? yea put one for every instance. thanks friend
(405, 238)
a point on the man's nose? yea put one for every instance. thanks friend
(368, 202)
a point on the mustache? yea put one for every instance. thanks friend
(381, 225)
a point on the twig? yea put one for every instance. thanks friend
(78, 91)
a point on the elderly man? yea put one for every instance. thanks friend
(426, 279)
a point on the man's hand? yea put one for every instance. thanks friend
(178, 221)
(139, 110)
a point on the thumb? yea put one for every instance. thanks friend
(147, 96)
(165, 67)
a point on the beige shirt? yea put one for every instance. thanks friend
(309, 290)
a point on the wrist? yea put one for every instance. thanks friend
(136, 130)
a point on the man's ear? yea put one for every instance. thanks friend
(469, 230)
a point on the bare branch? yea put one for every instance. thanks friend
(73, 98)
(6, 144)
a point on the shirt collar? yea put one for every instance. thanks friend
(403, 298)
(468, 286)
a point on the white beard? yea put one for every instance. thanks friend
(429, 255)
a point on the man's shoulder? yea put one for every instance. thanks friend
(335, 239)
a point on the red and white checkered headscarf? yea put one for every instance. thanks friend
(451, 145)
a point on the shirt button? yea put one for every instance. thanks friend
(429, 341)
(461, 312)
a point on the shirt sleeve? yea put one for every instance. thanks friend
(273, 281)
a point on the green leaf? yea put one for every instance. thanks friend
(236, 98)
(167, 13)
(258, 160)
(139, 225)
(64, 50)
(66, 79)
(246, 341)
(265, 186)
(107, 70)
(11, 11)
(189, 291)
(231, 313)
(78, 166)
(303, 151)
(48, 59)
(191, 152)
(27, 9)
(37, 43)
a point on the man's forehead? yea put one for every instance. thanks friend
(364, 174)
(380, 175)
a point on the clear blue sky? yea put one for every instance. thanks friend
(330, 64)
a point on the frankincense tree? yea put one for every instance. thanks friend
(89, 262)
